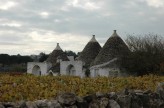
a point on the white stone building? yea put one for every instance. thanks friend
(93, 60)
(107, 62)
(59, 64)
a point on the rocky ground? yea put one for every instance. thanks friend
(124, 99)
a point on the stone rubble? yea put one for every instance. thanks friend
(125, 99)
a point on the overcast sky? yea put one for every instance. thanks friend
(34, 26)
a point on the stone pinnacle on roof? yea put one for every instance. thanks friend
(90, 51)
(93, 39)
(58, 47)
(113, 48)
(114, 33)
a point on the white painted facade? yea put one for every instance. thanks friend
(72, 67)
(103, 70)
(38, 68)
(111, 72)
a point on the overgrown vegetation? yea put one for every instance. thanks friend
(147, 54)
(15, 87)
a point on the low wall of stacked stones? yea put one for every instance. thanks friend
(124, 99)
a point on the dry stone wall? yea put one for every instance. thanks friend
(125, 99)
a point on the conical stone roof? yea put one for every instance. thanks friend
(57, 53)
(90, 51)
(113, 48)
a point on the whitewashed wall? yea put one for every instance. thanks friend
(44, 67)
(78, 65)
(112, 72)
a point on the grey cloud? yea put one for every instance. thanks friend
(124, 15)
(10, 44)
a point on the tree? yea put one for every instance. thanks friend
(4, 59)
(70, 53)
(43, 57)
(147, 54)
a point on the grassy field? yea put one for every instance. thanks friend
(28, 87)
